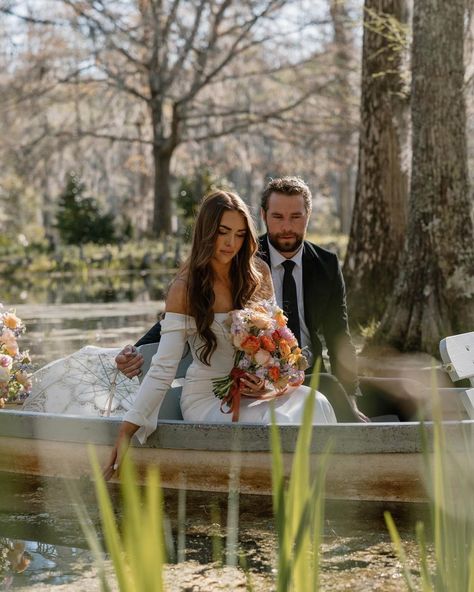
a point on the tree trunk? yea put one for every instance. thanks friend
(343, 159)
(435, 288)
(162, 191)
(379, 216)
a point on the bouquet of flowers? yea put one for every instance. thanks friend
(15, 365)
(264, 346)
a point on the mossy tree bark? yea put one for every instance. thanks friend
(435, 287)
(379, 216)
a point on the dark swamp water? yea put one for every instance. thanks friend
(38, 526)
(37, 516)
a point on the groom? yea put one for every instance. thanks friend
(310, 288)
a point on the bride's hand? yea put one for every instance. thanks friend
(121, 445)
(254, 386)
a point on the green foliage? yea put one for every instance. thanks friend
(298, 509)
(137, 549)
(79, 219)
(449, 471)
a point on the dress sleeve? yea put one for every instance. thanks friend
(175, 329)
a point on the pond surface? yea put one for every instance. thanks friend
(38, 526)
(37, 519)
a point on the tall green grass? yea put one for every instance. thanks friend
(298, 508)
(450, 482)
(137, 547)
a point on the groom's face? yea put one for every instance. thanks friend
(286, 220)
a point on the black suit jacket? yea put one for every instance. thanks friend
(325, 312)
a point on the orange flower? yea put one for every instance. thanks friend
(285, 348)
(250, 345)
(267, 343)
(276, 336)
(274, 373)
(280, 319)
(11, 321)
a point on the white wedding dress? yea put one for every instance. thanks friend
(198, 403)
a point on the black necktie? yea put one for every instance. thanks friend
(290, 300)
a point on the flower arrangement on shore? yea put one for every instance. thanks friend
(15, 365)
(264, 346)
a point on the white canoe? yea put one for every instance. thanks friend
(378, 461)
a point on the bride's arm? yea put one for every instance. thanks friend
(141, 419)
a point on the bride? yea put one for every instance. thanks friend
(222, 273)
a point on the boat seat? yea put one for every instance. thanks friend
(457, 353)
(170, 408)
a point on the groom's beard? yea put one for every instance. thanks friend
(288, 244)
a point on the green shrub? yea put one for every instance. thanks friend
(79, 219)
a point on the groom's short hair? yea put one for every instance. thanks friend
(287, 186)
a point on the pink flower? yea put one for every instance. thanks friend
(11, 346)
(287, 334)
(6, 361)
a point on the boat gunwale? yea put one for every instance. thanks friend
(347, 438)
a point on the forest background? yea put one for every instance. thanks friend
(117, 115)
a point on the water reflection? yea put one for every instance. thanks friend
(53, 331)
(26, 563)
(88, 287)
(39, 517)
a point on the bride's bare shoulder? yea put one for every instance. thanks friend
(177, 294)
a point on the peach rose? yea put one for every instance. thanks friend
(238, 339)
(11, 347)
(6, 335)
(259, 320)
(263, 357)
(22, 378)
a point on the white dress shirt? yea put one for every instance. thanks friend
(278, 271)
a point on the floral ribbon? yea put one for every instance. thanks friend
(231, 402)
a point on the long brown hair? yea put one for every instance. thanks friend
(244, 274)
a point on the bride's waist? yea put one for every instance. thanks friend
(202, 372)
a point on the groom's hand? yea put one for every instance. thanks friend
(357, 411)
(129, 361)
